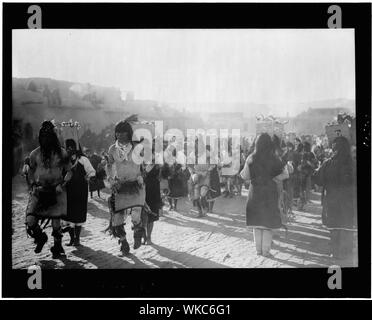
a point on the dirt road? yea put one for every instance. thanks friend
(181, 240)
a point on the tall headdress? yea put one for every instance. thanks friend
(70, 130)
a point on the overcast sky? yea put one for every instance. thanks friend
(196, 66)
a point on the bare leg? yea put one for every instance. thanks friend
(170, 203)
(199, 206)
(267, 236)
(204, 203)
(150, 226)
(211, 204)
(258, 240)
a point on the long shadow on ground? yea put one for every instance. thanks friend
(186, 259)
(104, 260)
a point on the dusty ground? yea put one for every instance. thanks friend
(181, 240)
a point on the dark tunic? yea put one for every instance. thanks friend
(153, 197)
(186, 178)
(176, 182)
(215, 186)
(296, 179)
(96, 183)
(262, 207)
(77, 195)
(339, 201)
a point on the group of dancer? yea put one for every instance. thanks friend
(58, 179)
(276, 174)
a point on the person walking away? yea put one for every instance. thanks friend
(77, 192)
(165, 173)
(297, 156)
(306, 169)
(96, 183)
(176, 185)
(153, 197)
(319, 153)
(101, 175)
(288, 184)
(262, 211)
(214, 182)
(337, 175)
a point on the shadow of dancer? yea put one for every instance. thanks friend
(104, 260)
(187, 259)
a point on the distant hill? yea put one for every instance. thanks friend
(58, 93)
(95, 107)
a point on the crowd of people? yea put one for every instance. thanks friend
(278, 174)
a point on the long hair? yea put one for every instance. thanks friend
(277, 145)
(264, 149)
(47, 129)
(264, 154)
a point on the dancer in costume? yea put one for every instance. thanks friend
(200, 185)
(77, 191)
(128, 190)
(48, 174)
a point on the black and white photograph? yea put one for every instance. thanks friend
(290, 201)
(191, 148)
